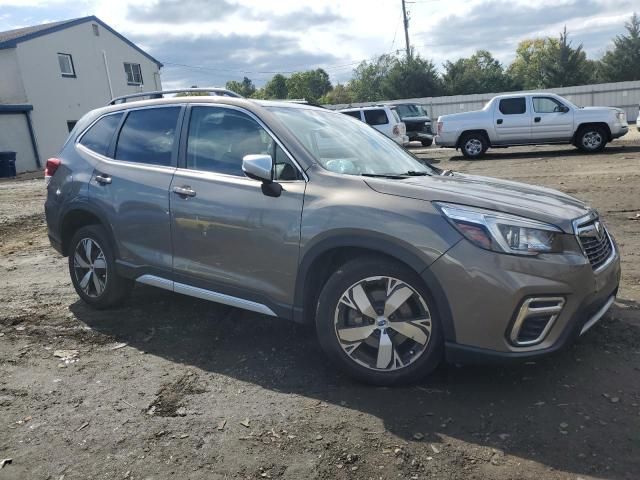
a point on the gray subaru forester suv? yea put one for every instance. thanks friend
(298, 212)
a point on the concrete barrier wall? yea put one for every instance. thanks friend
(625, 95)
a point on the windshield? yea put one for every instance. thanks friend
(342, 144)
(411, 110)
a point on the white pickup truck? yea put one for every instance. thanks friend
(530, 119)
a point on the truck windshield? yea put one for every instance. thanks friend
(342, 144)
(409, 110)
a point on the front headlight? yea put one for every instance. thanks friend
(502, 232)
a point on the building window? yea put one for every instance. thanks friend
(96, 32)
(134, 73)
(66, 65)
(71, 124)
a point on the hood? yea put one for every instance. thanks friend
(603, 110)
(539, 203)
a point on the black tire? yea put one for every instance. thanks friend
(327, 322)
(115, 288)
(473, 145)
(591, 139)
(426, 143)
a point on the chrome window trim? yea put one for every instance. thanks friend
(205, 294)
(125, 163)
(264, 126)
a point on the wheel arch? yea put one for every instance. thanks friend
(80, 216)
(603, 125)
(481, 131)
(321, 260)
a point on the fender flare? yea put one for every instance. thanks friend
(82, 205)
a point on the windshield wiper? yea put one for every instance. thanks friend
(414, 173)
(393, 176)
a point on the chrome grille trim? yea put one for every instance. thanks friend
(595, 241)
(553, 307)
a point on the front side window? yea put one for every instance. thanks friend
(219, 138)
(134, 73)
(546, 105)
(99, 136)
(66, 65)
(375, 117)
(147, 136)
(513, 106)
(343, 146)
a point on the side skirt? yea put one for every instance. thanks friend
(204, 294)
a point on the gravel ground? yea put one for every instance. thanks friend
(172, 387)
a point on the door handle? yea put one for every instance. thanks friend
(537, 119)
(499, 121)
(185, 191)
(103, 179)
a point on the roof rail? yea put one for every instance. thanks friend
(216, 91)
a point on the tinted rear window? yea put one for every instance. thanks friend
(147, 136)
(375, 117)
(98, 137)
(513, 106)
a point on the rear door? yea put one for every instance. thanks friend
(551, 121)
(230, 238)
(512, 120)
(131, 184)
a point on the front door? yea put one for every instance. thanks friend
(130, 183)
(552, 120)
(512, 121)
(229, 236)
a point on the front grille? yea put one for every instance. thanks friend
(420, 127)
(595, 242)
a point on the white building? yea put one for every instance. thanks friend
(52, 74)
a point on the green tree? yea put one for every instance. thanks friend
(526, 71)
(246, 88)
(276, 87)
(366, 84)
(480, 73)
(309, 85)
(622, 63)
(340, 94)
(411, 77)
(565, 66)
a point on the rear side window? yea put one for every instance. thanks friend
(147, 136)
(98, 137)
(375, 117)
(355, 114)
(513, 106)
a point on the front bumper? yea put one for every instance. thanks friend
(484, 291)
(619, 130)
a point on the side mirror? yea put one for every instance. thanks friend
(258, 167)
(564, 109)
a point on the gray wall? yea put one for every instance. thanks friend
(14, 137)
(625, 95)
(57, 99)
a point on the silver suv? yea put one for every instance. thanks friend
(299, 212)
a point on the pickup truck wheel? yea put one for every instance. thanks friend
(591, 139)
(473, 145)
(376, 321)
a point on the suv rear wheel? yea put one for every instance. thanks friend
(591, 139)
(375, 321)
(473, 145)
(92, 268)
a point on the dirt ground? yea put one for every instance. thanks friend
(174, 387)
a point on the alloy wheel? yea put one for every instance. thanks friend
(592, 140)
(473, 147)
(90, 267)
(382, 323)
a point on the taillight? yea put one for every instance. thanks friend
(50, 168)
(396, 130)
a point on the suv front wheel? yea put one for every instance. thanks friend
(93, 270)
(375, 320)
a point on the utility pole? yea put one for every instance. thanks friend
(406, 28)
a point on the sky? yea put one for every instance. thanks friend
(207, 42)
